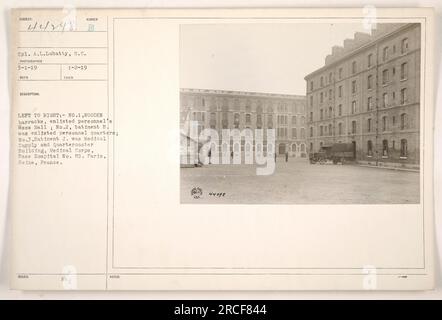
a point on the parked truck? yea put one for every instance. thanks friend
(334, 153)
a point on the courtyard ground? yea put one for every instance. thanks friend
(299, 182)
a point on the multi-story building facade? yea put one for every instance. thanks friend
(219, 109)
(368, 94)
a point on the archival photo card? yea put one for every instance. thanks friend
(222, 149)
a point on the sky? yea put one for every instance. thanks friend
(264, 57)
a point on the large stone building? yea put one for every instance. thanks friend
(368, 94)
(219, 109)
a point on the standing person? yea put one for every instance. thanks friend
(209, 154)
(275, 157)
(286, 156)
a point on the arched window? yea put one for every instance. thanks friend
(404, 71)
(212, 120)
(269, 121)
(236, 120)
(225, 120)
(369, 148)
(404, 151)
(384, 123)
(353, 127)
(385, 54)
(340, 128)
(385, 76)
(259, 115)
(404, 45)
(259, 121)
(353, 107)
(403, 121)
(281, 148)
(248, 119)
(384, 148)
(311, 131)
(330, 129)
(403, 95)
(302, 133)
(369, 103)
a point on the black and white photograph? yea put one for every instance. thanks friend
(300, 113)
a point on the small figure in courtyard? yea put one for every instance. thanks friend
(286, 156)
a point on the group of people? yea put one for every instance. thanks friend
(231, 155)
(286, 156)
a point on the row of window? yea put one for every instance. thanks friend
(281, 107)
(370, 105)
(282, 120)
(386, 148)
(283, 133)
(370, 61)
(385, 80)
(403, 126)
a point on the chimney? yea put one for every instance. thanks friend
(337, 50)
(348, 44)
(329, 59)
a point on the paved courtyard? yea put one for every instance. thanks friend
(299, 182)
